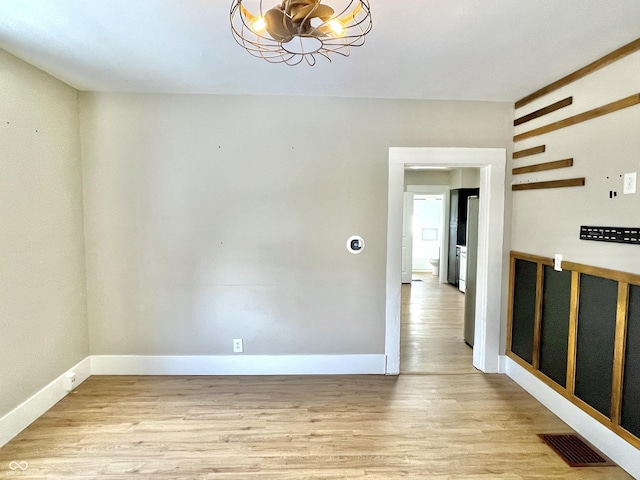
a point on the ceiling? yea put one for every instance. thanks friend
(493, 50)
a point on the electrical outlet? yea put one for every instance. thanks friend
(237, 345)
(69, 381)
(630, 182)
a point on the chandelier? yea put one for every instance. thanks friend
(299, 30)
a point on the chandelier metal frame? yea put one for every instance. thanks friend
(304, 37)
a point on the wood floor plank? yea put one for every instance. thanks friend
(448, 424)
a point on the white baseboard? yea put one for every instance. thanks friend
(613, 446)
(502, 364)
(616, 448)
(28, 411)
(237, 364)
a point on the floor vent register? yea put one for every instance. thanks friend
(575, 451)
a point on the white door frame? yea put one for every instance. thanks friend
(492, 164)
(407, 238)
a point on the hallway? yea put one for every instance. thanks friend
(432, 318)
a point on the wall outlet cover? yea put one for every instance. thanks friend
(237, 345)
(69, 381)
(630, 182)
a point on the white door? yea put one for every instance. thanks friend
(407, 238)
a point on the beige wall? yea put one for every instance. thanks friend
(546, 222)
(43, 325)
(426, 177)
(212, 218)
(464, 178)
(454, 178)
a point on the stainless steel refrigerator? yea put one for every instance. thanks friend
(472, 263)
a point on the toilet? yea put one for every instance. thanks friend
(435, 262)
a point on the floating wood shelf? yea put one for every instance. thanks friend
(543, 111)
(572, 182)
(543, 166)
(583, 72)
(529, 151)
(583, 117)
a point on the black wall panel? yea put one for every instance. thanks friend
(595, 343)
(630, 419)
(524, 309)
(555, 324)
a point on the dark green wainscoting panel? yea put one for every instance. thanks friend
(595, 342)
(556, 306)
(524, 309)
(630, 420)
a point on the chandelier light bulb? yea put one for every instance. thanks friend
(258, 24)
(337, 27)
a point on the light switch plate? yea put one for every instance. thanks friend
(630, 183)
(557, 262)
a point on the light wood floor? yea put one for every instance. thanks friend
(431, 339)
(450, 423)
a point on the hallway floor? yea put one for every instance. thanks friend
(432, 329)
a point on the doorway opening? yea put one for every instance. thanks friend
(419, 246)
(492, 162)
(438, 301)
(427, 228)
